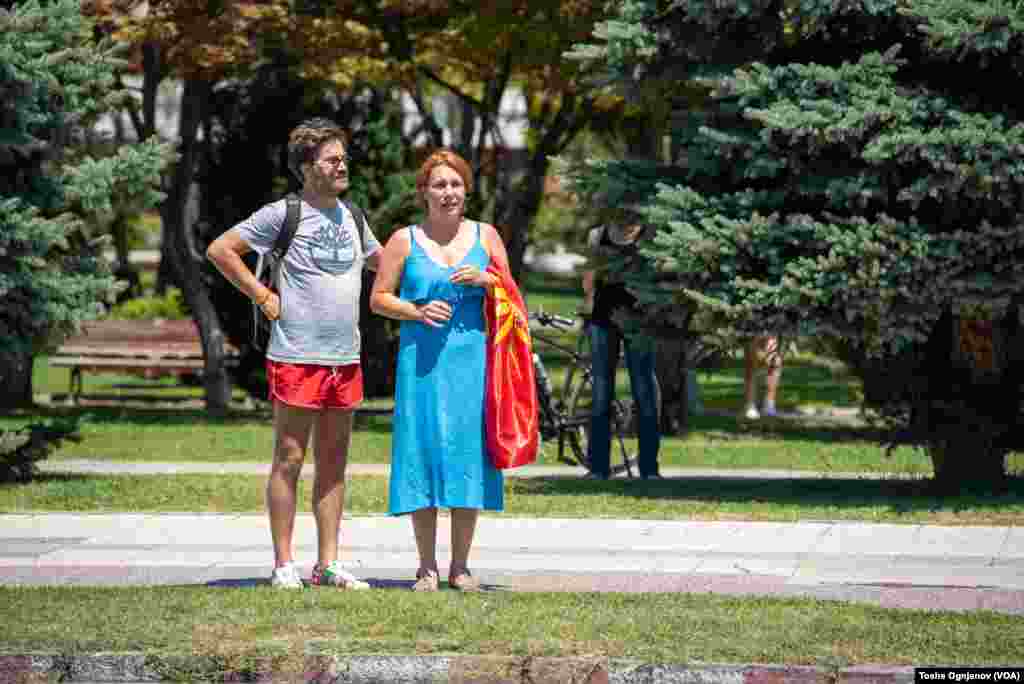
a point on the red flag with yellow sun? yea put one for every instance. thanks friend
(510, 398)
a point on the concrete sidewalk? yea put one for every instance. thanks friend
(99, 467)
(956, 568)
(895, 566)
(910, 566)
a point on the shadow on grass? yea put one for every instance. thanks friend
(715, 426)
(896, 495)
(375, 416)
(143, 415)
(375, 583)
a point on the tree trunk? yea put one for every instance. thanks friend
(379, 346)
(672, 371)
(515, 210)
(179, 213)
(968, 466)
(16, 378)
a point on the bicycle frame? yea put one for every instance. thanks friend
(562, 417)
(555, 421)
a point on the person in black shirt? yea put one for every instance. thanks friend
(602, 299)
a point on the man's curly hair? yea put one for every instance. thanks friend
(305, 140)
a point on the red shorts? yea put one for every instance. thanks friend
(312, 386)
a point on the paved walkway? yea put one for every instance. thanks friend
(91, 466)
(918, 566)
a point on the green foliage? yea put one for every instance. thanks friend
(51, 276)
(959, 30)
(171, 305)
(20, 449)
(853, 172)
(55, 199)
(380, 183)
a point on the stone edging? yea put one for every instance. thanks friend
(30, 668)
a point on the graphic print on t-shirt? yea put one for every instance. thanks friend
(332, 249)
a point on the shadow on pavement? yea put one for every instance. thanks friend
(898, 495)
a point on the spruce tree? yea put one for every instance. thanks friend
(59, 185)
(848, 171)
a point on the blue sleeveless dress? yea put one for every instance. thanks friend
(438, 452)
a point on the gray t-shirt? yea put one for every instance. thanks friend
(321, 279)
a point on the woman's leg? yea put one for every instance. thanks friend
(604, 357)
(424, 527)
(750, 368)
(773, 374)
(644, 384)
(463, 529)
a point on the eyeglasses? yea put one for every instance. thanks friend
(335, 161)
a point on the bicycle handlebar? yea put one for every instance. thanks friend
(552, 320)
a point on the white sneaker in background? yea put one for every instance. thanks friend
(752, 413)
(769, 410)
(286, 577)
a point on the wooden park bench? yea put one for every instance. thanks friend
(150, 349)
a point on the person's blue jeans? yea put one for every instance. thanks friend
(604, 349)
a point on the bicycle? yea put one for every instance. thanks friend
(566, 417)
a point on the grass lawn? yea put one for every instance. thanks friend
(891, 501)
(237, 626)
(716, 440)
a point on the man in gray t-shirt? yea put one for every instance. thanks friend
(313, 357)
(321, 271)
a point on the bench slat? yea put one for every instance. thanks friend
(109, 362)
(126, 354)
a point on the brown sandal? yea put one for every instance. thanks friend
(464, 582)
(426, 581)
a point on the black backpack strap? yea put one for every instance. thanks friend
(360, 218)
(292, 214)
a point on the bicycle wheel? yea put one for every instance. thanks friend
(578, 367)
(579, 411)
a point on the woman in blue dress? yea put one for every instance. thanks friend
(433, 278)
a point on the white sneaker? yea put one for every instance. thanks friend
(769, 410)
(334, 575)
(752, 413)
(286, 577)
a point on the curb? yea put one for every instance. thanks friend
(370, 669)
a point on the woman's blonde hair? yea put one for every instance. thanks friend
(443, 157)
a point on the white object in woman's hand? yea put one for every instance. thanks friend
(435, 313)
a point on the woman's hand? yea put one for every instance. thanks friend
(471, 275)
(435, 313)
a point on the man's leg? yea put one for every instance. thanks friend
(333, 431)
(642, 381)
(291, 435)
(604, 357)
(330, 449)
